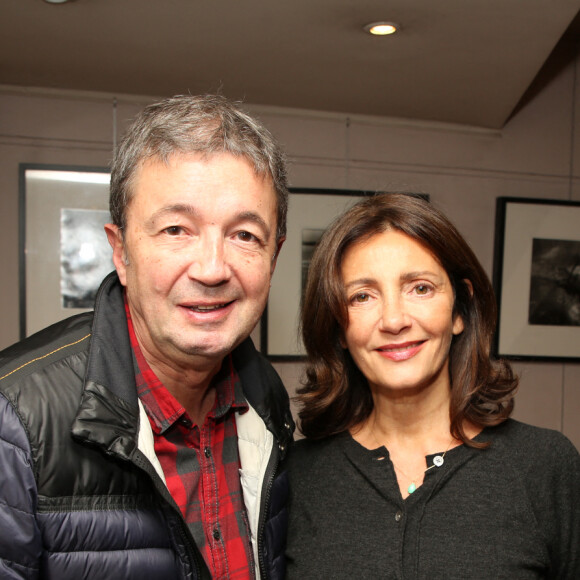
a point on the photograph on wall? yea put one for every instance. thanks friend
(537, 279)
(85, 255)
(310, 239)
(64, 252)
(555, 283)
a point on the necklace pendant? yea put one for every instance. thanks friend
(412, 488)
(438, 461)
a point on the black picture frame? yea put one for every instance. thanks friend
(41, 208)
(536, 278)
(279, 338)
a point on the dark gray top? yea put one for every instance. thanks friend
(510, 511)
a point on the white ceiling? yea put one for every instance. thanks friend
(459, 61)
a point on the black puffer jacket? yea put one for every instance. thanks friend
(82, 493)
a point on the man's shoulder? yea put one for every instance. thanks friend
(44, 348)
(258, 376)
(264, 390)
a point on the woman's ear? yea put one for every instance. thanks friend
(458, 326)
(469, 285)
(458, 323)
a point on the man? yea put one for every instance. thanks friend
(144, 441)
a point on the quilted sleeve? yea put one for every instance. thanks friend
(20, 540)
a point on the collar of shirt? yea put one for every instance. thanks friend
(163, 409)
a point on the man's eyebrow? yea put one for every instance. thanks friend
(256, 218)
(190, 210)
(183, 208)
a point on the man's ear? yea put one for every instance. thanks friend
(279, 244)
(115, 237)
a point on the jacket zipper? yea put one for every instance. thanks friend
(268, 481)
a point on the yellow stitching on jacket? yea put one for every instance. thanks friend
(45, 355)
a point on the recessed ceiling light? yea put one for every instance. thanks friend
(57, 1)
(381, 28)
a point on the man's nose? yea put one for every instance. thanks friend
(209, 265)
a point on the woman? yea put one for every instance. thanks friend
(411, 467)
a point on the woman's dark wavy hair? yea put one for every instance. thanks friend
(335, 396)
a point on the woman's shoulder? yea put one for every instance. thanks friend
(523, 440)
(310, 447)
(307, 454)
(543, 467)
(530, 434)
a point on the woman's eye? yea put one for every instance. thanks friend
(422, 289)
(360, 298)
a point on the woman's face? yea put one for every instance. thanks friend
(400, 313)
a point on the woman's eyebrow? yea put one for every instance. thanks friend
(360, 282)
(405, 277)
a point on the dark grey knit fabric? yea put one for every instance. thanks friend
(511, 511)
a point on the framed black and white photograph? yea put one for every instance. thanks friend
(537, 279)
(85, 255)
(64, 252)
(310, 212)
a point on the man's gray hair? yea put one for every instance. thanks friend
(206, 125)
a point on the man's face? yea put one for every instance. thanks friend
(197, 256)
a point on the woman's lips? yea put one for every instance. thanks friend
(401, 352)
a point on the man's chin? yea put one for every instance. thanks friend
(211, 349)
(213, 344)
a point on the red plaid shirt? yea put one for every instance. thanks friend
(201, 465)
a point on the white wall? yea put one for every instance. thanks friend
(463, 169)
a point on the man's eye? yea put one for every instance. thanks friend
(173, 230)
(246, 237)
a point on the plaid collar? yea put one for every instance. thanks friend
(163, 409)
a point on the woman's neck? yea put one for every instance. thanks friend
(410, 427)
(413, 418)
